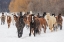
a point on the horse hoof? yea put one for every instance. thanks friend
(19, 36)
(34, 35)
(60, 29)
(29, 34)
(8, 27)
(44, 32)
(51, 31)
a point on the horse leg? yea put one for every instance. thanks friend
(22, 29)
(51, 29)
(4, 22)
(1, 23)
(39, 29)
(18, 33)
(30, 32)
(21, 32)
(60, 26)
(44, 29)
(54, 27)
(8, 25)
(34, 31)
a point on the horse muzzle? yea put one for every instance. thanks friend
(27, 25)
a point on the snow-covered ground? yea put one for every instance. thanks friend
(10, 35)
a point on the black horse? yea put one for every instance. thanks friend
(34, 24)
(20, 25)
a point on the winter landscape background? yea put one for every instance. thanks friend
(37, 6)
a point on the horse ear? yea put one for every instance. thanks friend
(20, 13)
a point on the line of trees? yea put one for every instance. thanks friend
(52, 6)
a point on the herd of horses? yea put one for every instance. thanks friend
(34, 22)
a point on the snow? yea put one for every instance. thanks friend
(10, 35)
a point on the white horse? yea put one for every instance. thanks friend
(51, 21)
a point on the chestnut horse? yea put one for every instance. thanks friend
(8, 20)
(59, 21)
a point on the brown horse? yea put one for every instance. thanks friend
(8, 21)
(27, 19)
(42, 22)
(59, 21)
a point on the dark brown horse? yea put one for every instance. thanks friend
(42, 22)
(19, 24)
(8, 21)
(59, 21)
(34, 25)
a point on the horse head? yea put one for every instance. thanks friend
(16, 18)
(32, 18)
(27, 19)
(48, 16)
